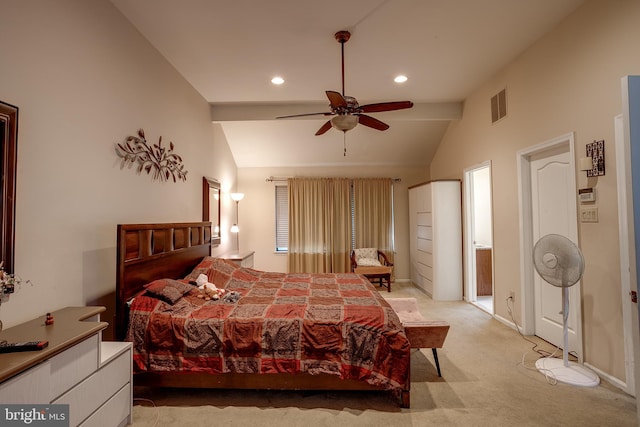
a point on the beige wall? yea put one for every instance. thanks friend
(84, 79)
(569, 81)
(257, 209)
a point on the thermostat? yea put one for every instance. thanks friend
(587, 195)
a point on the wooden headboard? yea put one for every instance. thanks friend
(147, 252)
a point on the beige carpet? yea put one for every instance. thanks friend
(483, 384)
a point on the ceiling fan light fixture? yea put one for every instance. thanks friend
(400, 79)
(347, 112)
(344, 122)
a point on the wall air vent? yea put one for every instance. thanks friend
(499, 106)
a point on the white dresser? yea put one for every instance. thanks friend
(77, 368)
(435, 231)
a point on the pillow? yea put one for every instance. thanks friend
(368, 262)
(217, 270)
(199, 269)
(366, 253)
(367, 257)
(168, 290)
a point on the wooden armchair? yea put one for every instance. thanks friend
(382, 259)
(374, 268)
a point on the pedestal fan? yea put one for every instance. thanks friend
(560, 263)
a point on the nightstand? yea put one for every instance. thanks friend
(243, 259)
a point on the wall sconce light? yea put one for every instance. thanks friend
(595, 156)
(236, 197)
(586, 163)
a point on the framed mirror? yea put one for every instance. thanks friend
(9, 149)
(211, 207)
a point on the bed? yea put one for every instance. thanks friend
(280, 331)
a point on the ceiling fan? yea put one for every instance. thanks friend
(346, 110)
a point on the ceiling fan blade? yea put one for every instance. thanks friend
(327, 113)
(386, 106)
(325, 127)
(371, 122)
(336, 99)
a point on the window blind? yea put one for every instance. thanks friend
(282, 218)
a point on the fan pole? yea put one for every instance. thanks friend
(565, 330)
(342, 37)
(342, 50)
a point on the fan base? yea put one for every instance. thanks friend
(574, 373)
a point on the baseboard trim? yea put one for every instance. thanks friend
(613, 380)
(603, 375)
(506, 321)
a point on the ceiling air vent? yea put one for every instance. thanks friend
(498, 106)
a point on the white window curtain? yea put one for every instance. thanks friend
(373, 214)
(319, 225)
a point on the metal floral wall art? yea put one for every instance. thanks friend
(162, 163)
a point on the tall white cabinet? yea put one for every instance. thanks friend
(435, 221)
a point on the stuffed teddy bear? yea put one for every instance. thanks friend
(210, 291)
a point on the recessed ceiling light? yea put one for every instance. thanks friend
(277, 80)
(400, 79)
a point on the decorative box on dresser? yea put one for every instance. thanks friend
(77, 368)
(435, 230)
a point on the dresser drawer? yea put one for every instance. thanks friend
(31, 386)
(73, 365)
(91, 393)
(424, 245)
(425, 258)
(427, 285)
(425, 271)
(115, 412)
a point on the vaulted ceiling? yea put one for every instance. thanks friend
(230, 50)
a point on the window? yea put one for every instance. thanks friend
(282, 218)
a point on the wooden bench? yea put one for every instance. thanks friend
(422, 333)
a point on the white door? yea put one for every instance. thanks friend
(553, 204)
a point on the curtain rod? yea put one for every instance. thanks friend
(284, 179)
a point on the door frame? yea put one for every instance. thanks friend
(627, 251)
(527, 271)
(471, 290)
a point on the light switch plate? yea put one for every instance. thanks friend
(589, 214)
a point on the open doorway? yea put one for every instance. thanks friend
(479, 237)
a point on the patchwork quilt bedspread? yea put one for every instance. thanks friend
(282, 323)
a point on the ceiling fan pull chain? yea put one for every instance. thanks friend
(344, 142)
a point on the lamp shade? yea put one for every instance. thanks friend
(236, 197)
(586, 163)
(235, 228)
(344, 122)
